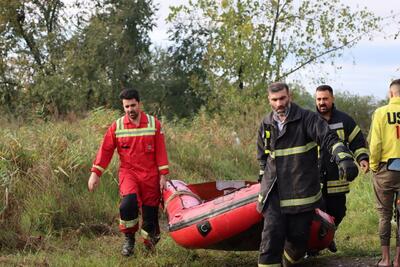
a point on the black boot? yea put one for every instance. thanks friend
(129, 245)
(332, 247)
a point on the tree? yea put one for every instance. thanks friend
(248, 43)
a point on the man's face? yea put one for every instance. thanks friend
(279, 101)
(131, 108)
(324, 101)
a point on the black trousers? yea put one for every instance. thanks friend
(335, 205)
(129, 211)
(283, 234)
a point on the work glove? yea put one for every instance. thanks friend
(347, 170)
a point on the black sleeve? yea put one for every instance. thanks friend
(261, 156)
(356, 140)
(319, 131)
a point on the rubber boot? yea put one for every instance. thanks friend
(129, 245)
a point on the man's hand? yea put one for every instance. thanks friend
(163, 181)
(93, 181)
(364, 165)
(347, 170)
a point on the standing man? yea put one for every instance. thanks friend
(140, 144)
(290, 186)
(384, 146)
(334, 189)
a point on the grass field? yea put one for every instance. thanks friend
(48, 218)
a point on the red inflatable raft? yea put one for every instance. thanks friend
(222, 215)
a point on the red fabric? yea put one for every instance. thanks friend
(140, 159)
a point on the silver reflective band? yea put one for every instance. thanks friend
(336, 126)
(294, 150)
(301, 201)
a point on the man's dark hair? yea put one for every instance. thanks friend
(277, 86)
(324, 87)
(395, 82)
(129, 93)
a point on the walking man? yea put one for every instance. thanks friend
(139, 141)
(334, 189)
(290, 187)
(384, 149)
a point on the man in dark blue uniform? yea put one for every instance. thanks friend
(334, 188)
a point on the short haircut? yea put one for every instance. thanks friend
(129, 93)
(277, 87)
(324, 87)
(395, 82)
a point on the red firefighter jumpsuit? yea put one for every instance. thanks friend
(143, 158)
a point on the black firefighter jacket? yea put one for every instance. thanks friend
(290, 158)
(350, 134)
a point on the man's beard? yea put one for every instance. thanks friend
(133, 115)
(325, 111)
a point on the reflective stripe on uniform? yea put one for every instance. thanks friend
(163, 167)
(339, 189)
(135, 132)
(267, 134)
(338, 144)
(337, 183)
(294, 150)
(144, 234)
(261, 172)
(260, 198)
(269, 265)
(99, 168)
(340, 133)
(338, 186)
(354, 133)
(343, 155)
(290, 259)
(301, 201)
(128, 224)
(360, 151)
(120, 131)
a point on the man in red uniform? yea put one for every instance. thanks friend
(143, 165)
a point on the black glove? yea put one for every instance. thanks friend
(347, 170)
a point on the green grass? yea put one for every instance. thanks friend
(50, 219)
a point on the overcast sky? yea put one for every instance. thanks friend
(365, 69)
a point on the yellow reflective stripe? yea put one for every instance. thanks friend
(128, 224)
(260, 198)
(294, 150)
(163, 167)
(338, 144)
(354, 133)
(98, 167)
(337, 183)
(134, 132)
(269, 265)
(360, 151)
(144, 234)
(267, 134)
(343, 155)
(267, 151)
(151, 122)
(340, 133)
(339, 189)
(301, 201)
(120, 124)
(290, 259)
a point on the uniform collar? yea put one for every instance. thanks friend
(143, 119)
(394, 100)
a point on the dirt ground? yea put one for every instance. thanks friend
(332, 261)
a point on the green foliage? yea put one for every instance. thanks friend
(246, 44)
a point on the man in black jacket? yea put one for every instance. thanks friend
(290, 186)
(335, 189)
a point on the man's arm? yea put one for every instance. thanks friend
(103, 158)
(375, 143)
(261, 155)
(161, 155)
(357, 145)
